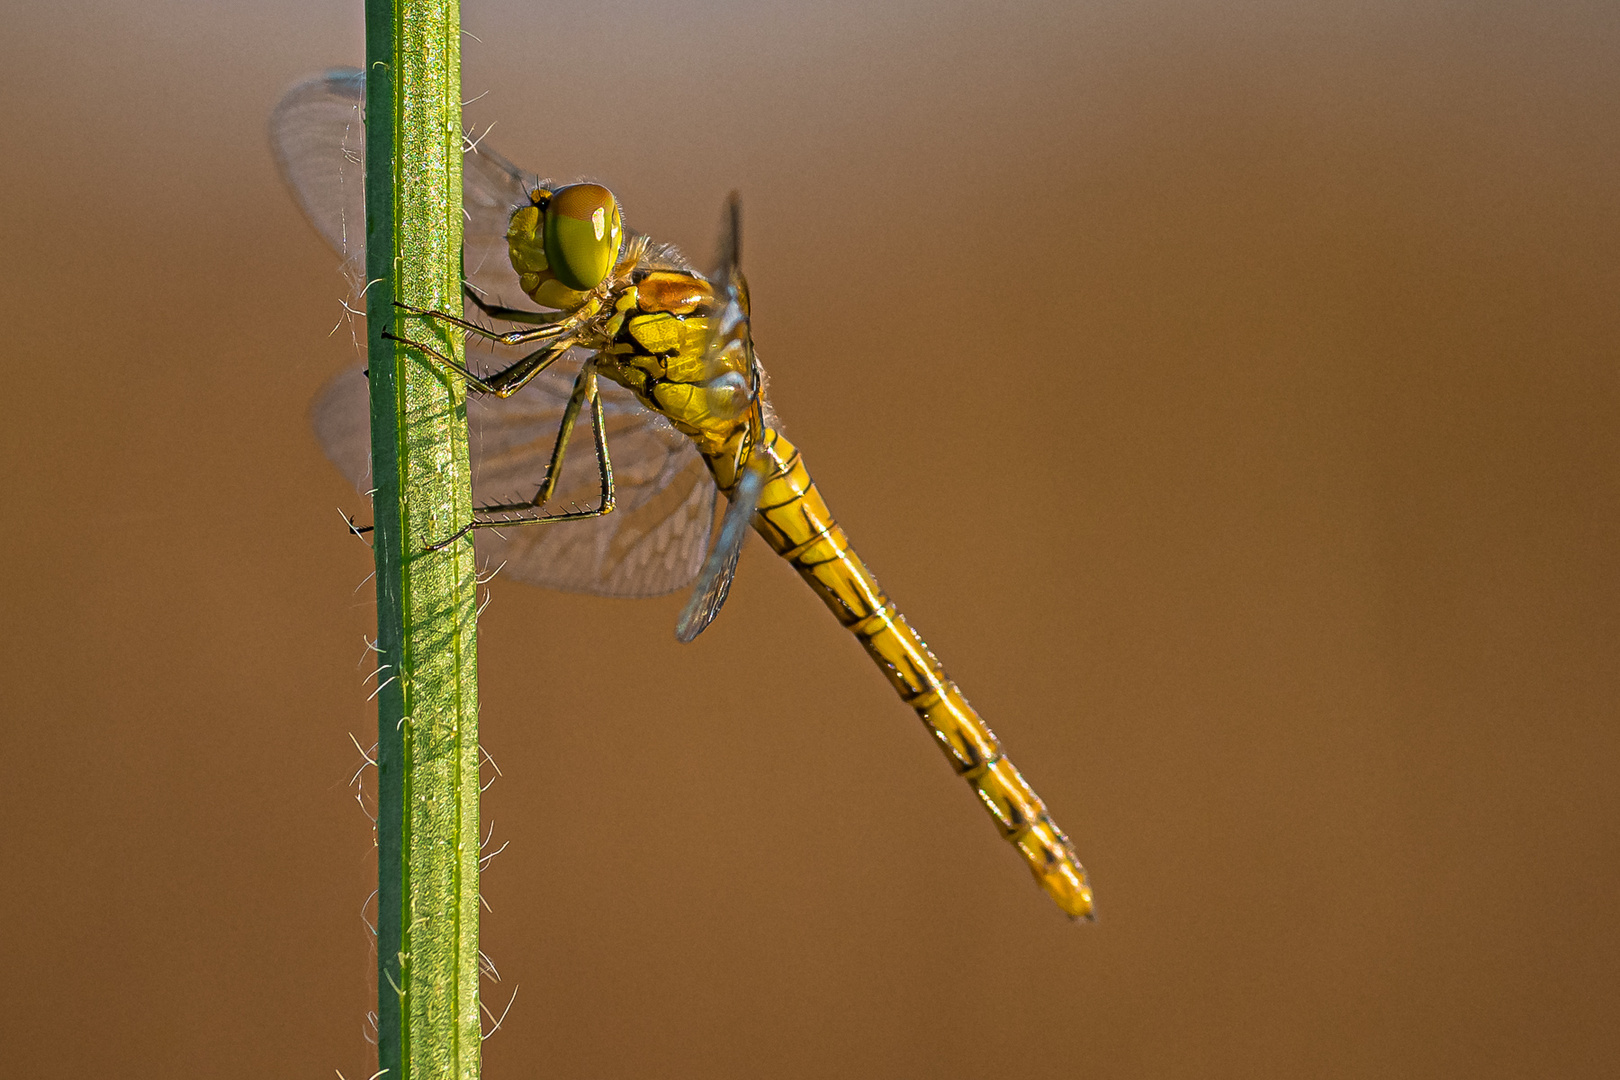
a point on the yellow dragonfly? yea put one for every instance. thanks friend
(663, 358)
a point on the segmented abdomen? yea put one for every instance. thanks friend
(794, 520)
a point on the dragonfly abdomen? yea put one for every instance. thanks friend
(794, 519)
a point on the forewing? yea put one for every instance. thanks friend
(318, 135)
(491, 188)
(652, 543)
(729, 354)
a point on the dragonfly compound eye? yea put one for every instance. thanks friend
(582, 234)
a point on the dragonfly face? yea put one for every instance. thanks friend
(564, 243)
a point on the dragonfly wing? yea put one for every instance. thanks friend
(491, 188)
(652, 543)
(318, 135)
(730, 370)
(714, 583)
(318, 138)
(341, 417)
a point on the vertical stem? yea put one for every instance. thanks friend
(427, 925)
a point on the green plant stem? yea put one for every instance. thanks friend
(427, 826)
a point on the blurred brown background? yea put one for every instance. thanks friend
(1227, 390)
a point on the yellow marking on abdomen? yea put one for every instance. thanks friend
(795, 521)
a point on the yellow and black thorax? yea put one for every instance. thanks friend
(654, 343)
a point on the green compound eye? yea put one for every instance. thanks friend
(583, 230)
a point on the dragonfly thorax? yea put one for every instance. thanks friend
(565, 243)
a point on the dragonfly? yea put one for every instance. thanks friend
(662, 358)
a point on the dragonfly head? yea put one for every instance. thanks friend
(565, 243)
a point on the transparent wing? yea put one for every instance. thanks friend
(730, 370)
(652, 543)
(318, 135)
(714, 583)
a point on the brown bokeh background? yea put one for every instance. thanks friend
(1228, 390)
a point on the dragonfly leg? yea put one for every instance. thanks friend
(504, 383)
(511, 337)
(565, 432)
(511, 314)
(585, 388)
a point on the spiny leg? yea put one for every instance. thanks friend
(540, 361)
(507, 381)
(511, 337)
(565, 432)
(587, 382)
